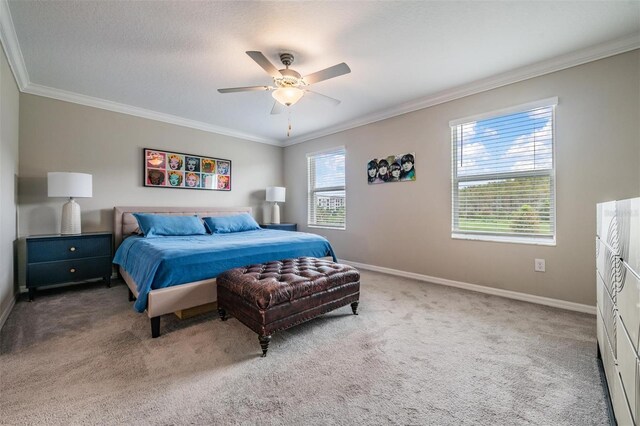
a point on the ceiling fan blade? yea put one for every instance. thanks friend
(327, 73)
(278, 108)
(264, 63)
(334, 101)
(244, 89)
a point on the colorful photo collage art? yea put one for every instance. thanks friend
(393, 168)
(169, 169)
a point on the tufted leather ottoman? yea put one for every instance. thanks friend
(274, 296)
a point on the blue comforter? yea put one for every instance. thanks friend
(165, 261)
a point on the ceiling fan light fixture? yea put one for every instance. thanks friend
(287, 96)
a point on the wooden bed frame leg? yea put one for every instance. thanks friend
(222, 313)
(264, 344)
(131, 296)
(354, 307)
(155, 327)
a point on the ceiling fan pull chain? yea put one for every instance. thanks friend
(289, 129)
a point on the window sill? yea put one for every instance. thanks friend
(505, 239)
(327, 227)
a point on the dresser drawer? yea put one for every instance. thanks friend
(628, 302)
(610, 320)
(602, 337)
(601, 292)
(608, 266)
(65, 248)
(637, 402)
(621, 408)
(628, 217)
(610, 370)
(616, 390)
(605, 214)
(627, 367)
(45, 273)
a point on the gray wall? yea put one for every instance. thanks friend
(61, 136)
(9, 108)
(407, 225)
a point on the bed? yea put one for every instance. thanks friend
(173, 274)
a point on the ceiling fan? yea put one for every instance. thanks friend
(289, 86)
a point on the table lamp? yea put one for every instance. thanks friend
(72, 185)
(276, 194)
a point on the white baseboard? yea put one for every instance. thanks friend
(540, 300)
(4, 315)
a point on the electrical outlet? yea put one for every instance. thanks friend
(538, 265)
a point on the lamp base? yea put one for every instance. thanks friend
(70, 218)
(275, 213)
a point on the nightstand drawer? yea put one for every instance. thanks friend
(45, 273)
(65, 248)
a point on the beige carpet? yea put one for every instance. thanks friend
(417, 354)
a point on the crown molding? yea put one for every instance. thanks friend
(9, 40)
(558, 63)
(63, 95)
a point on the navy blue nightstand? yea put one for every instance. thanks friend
(55, 259)
(280, 226)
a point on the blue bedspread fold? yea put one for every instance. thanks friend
(165, 261)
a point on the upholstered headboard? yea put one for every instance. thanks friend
(124, 223)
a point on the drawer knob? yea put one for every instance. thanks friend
(72, 249)
(72, 270)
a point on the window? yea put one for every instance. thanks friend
(504, 175)
(326, 196)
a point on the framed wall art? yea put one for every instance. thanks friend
(393, 168)
(171, 169)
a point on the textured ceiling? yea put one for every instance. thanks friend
(170, 57)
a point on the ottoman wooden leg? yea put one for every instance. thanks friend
(354, 308)
(223, 314)
(264, 344)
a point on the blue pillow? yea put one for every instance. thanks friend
(155, 225)
(226, 224)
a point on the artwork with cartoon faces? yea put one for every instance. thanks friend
(208, 165)
(224, 182)
(372, 171)
(155, 159)
(170, 169)
(192, 164)
(393, 168)
(175, 178)
(408, 170)
(192, 180)
(223, 167)
(155, 177)
(176, 162)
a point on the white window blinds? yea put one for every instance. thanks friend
(327, 196)
(503, 175)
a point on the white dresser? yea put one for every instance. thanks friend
(618, 287)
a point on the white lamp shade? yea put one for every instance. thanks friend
(287, 96)
(276, 193)
(63, 184)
